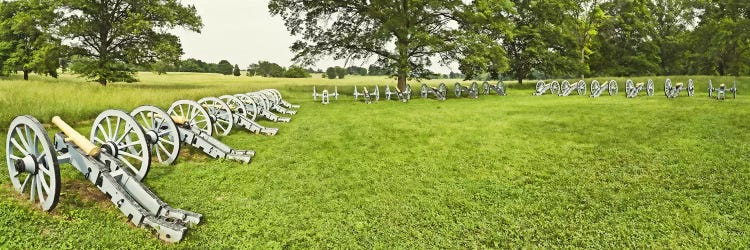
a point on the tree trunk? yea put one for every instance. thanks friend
(520, 79)
(102, 81)
(26, 74)
(402, 82)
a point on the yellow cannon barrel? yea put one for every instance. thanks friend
(77, 139)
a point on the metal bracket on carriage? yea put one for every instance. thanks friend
(195, 127)
(115, 160)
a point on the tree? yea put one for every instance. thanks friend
(530, 32)
(267, 69)
(375, 70)
(26, 42)
(722, 39)
(671, 21)
(340, 72)
(403, 35)
(224, 67)
(193, 65)
(588, 17)
(236, 70)
(330, 73)
(295, 71)
(110, 35)
(354, 70)
(624, 43)
(159, 67)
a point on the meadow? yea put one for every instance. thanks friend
(514, 171)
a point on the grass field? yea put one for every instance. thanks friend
(513, 171)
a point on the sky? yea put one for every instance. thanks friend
(243, 32)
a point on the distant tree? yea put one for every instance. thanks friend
(340, 72)
(331, 73)
(354, 70)
(236, 70)
(267, 69)
(721, 41)
(159, 67)
(25, 40)
(224, 67)
(375, 70)
(112, 35)
(63, 64)
(295, 71)
(624, 43)
(403, 35)
(251, 69)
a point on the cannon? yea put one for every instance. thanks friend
(673, 91)
(472, 90)
(264, 107)
(275, 100)
(243, 115)
(367, 96)
(632, 89)
(567, 88)
(107, 160)
(721, 91)
(288, 105)
(403, 96)
(195, 126)
(542, 87)
(610, 86)
(440, 92)
(499, 88)
(325, 97)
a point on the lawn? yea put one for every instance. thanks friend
(510, 171)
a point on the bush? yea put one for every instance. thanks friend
(236, 71)
(295, 71)
(331, 73)
(340, 72)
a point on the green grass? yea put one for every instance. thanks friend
(513, 171)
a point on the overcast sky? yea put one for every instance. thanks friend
(243, 32)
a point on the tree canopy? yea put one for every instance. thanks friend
(26, 40)
(402, 35)
(111, 36)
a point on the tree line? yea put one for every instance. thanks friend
(521, 38)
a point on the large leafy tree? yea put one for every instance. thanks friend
(721, 41)
(536, 39)
(671, 21)
(404, 35)
(624, 44)
(588, 16)
(110, 36)
(26, 40)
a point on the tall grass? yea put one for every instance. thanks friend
(517, 171)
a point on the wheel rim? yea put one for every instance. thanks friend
(486, 88)
(457, 89)
(28, 143)
(154, 121)
(565, 86)
(235, 104)
(667, 86)
(194, 114)
(424, 90)
(221, 113)
(555, 88)
(118, 132)
(251, 108)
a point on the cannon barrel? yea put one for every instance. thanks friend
(77, 139)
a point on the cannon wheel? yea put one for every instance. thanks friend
(424, 92)
(196, 116)
(710, 88)
(457, 89)
(262, 102)
(501, 87)
(565, 86)
(121, 133)
(235, 104)
(734, 90)
(555, 88)
(166, 143)
(629, 85)
(594, 87)
(691, 87)
(251, 108)
(221, 113)
(32, 162)
(667, 87)
(485, 88)
(650, 87)
(581, 87)
(443, 89)
(376, 92)
(474, 90)
(613, 88)
(407, 91)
